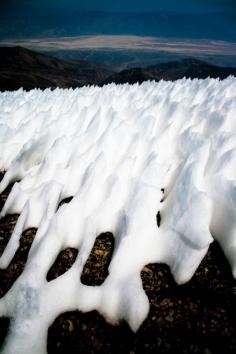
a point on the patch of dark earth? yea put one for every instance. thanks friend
(197, 317)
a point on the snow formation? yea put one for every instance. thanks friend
(114, 149)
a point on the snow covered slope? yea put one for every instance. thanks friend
(114, 149)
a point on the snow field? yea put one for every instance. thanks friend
(114, 149)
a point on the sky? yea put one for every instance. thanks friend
(124, 5)
(153, 5)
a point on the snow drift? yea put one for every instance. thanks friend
(115, 150)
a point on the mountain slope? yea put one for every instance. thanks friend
(131, 76)
(174, 70)
(20, 67)
(190, 68)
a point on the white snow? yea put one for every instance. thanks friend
(113, 149)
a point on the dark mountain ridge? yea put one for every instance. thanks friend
(173, 70)
(20, 67)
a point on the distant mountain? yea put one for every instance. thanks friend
(123, 59)
(173, 70)
(130, 76)
(20, 67)
(190, 68)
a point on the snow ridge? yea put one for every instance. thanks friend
(114, 149)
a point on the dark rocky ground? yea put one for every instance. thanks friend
(198, 317)
(20, 67)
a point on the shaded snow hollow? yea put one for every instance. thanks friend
(114, 149)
